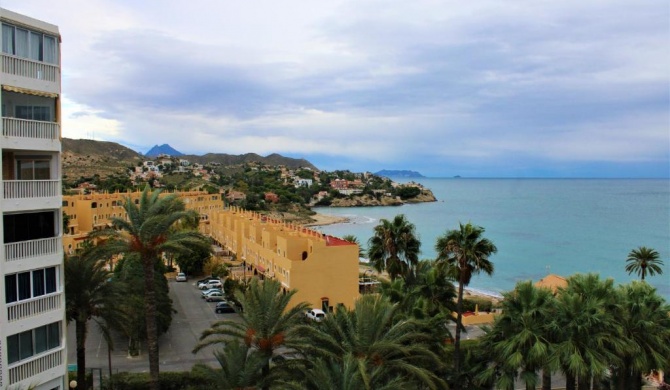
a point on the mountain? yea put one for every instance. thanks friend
(163, 149)
(400, 173)
(85, 158)
(229, 159)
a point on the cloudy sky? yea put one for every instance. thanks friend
(572, 88)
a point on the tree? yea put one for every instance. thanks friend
(384, 345)
(521, 337)
(464, 252)
(644, 260)
(589, 337)
(152, 228)
(88, 295)
(646, 327)
(240, 367)
(394, 247)
(267, 324)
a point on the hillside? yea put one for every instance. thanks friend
(228, 159)
(85, 158)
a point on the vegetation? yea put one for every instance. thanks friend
(89, 296)
(464, 252)
(643, 261)
(154, 228)
(394, 247)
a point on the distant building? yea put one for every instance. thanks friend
(32, 309)
(552, 282)
(303, 182)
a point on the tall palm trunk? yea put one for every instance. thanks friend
(569, 381)
(81, 331)
(584, 382)
(457, 339)
(546, 378)
(150, 318)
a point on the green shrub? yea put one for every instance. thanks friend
(197, 379)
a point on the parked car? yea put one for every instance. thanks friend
(205, 280)
(210, 284)
(215, 296)
(315, 315)
(208, 291)
(181, 277)
(224, 307)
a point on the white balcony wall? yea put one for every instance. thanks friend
(23, 189)
(22, 250)
(36, 365)
(31, 307)
(29, 74)
(31, 135)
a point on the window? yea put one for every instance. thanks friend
(35, 113)
(34, 169)
(30, 284)
(32, 342)
(29, 44)
(29, 226)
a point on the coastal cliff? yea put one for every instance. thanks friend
(425, 195)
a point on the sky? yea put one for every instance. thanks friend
(573, 88)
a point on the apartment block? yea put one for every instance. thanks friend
(32, 308)
(323, 269)
(89, 212)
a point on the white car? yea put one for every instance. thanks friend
(316, 315)
(181, 277)
(215, 296)
(211, 290)
(210, 284)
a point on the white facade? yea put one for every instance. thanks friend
(32, 305)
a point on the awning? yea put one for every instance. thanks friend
(260, 268)
(29, 91)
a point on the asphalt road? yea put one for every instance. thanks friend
(193, 316)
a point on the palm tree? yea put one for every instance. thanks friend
(646, 327)
(464, 252)
(240, 367)
(394, 247)
(383, 345)
(644, 260)
(589, 336)
(267, 324)
(521, 340)
(88, 295)
(343, 374)
(155, 226)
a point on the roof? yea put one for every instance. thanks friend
(552, 282)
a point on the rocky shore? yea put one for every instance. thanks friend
(426, 195)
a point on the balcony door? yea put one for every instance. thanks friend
(29, 226)
(33, 169)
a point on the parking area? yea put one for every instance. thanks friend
(193, 316)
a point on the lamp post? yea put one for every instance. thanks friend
(73, 384)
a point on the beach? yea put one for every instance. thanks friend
(323, 220)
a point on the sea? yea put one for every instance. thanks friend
(540, 226)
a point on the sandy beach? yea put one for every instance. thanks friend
(324, 219)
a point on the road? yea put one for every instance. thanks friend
(193, 316)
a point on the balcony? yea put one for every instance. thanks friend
(33, 248)
(24, 67)
(14, 127)
(22, 189)
(23, 309)
(35, 366)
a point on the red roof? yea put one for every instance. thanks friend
(334, 241)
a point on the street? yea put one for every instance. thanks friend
(193, 316)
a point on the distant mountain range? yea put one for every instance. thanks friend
(398, 173)
(85, 157)
(163, 149)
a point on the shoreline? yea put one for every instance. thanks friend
(325, 219)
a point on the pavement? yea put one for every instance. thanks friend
(193, 316)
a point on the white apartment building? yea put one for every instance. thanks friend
(32, 306)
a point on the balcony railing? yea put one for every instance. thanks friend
(35, 366)
(29, 68)
(33, 248)
(19, 189)
(15, 127)
(29, 308)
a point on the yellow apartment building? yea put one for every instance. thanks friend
(94, 211)
(323, 269)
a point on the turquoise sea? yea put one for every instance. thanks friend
(540, 226)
